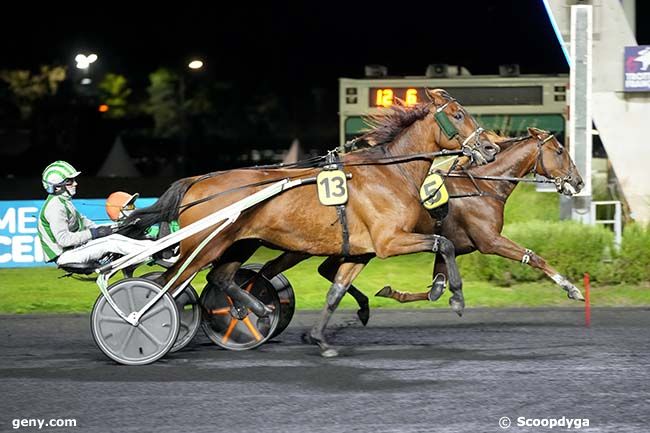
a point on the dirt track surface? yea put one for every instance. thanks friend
(407, 371)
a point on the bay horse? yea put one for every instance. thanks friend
(476, 217)
(384, 215)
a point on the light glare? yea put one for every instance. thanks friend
(195, 64)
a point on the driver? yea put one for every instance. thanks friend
(66, 235)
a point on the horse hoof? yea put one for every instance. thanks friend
(457, 306)
(329, 353)
(575, 293)
(385, 292)
(436, 292)
(364, 314)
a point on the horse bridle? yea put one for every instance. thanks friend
(558, 181)
(451, 131)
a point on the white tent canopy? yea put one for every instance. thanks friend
(118, 163)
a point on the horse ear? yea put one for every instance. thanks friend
(437, 96)
(534, 131)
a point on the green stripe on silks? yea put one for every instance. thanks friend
(445, 124)
(45, 223)
(64, 166)
(51, 255)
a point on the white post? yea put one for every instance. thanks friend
(580, 119)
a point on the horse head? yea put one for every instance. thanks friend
(554, 162)
(458, 126)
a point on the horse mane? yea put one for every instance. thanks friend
(386, 126)
(514, 140)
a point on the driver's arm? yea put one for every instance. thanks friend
(88, 223)
(56, 216)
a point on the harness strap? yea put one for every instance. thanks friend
(333, 160)
(343, 219)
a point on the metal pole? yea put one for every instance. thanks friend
(580, 106)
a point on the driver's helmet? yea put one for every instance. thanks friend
(56, 175)
(120, 204)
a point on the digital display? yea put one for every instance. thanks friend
(387, 96)
(468, 96)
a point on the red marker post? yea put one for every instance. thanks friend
(587, 301)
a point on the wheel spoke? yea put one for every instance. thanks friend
(149, 335)
(131, 300)
(252, 328)
(231, 327)
(220, 311)
(118, 320)
(129, 334)
(152, 312)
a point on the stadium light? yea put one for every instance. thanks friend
(83, 61)
(195, 64)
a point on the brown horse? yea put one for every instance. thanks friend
(475, 221)
(384, 214)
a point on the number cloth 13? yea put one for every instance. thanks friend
(332, 187)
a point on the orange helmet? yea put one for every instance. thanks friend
(119, 204)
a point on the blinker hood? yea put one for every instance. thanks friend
(445, 124)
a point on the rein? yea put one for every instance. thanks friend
(558, 181)
(374, 161)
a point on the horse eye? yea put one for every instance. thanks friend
(458, 115)
(560, 150)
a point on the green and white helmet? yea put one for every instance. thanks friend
(56, 174)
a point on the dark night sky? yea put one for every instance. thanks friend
(312, 42)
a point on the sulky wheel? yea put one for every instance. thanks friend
(189, 313)
(143, 344)
(282, 287)
(239, 329)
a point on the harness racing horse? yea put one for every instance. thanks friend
(475, 218)
(383, 213)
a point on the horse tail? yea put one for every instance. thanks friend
(165, 209)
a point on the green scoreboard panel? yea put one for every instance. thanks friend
(507, 105)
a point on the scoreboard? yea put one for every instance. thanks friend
(507, 105)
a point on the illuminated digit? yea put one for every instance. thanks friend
(387, 98)
(378, 99)
(411, 97)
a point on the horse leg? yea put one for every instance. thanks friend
(401, 297)
(437, 287)
(281, 263)
(504, 247)
(346, 273)
(328, 270)
(406, 243)
(457, 300)
(223, 273)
